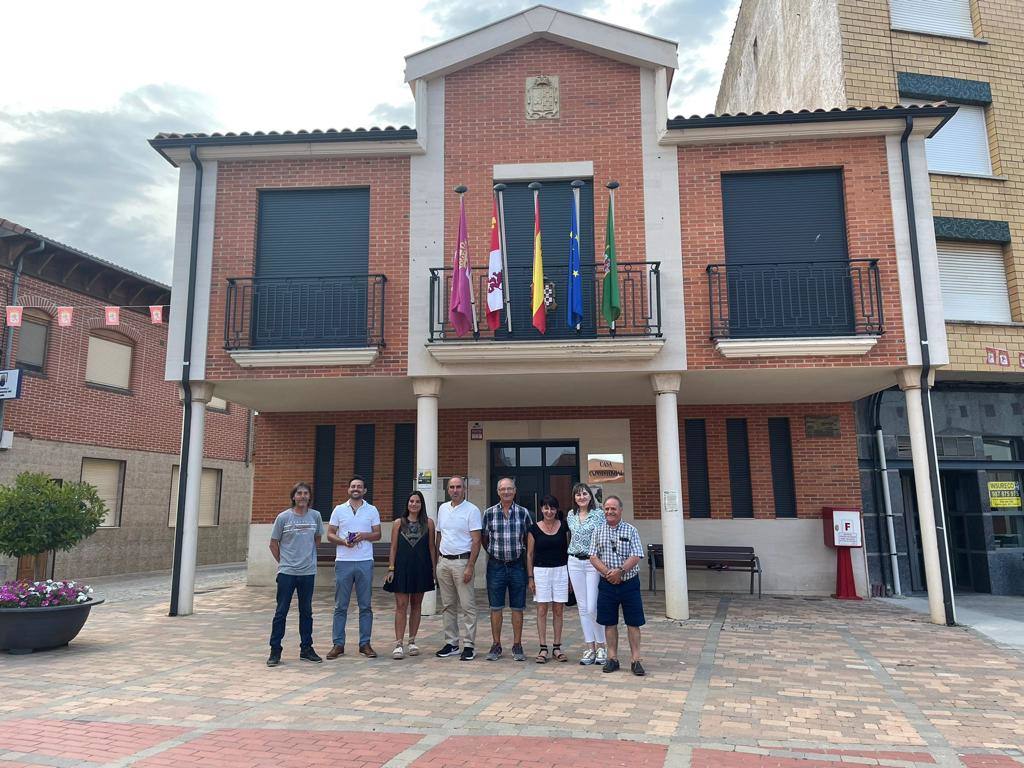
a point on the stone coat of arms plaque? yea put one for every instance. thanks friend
(541, 97)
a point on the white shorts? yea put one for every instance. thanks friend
(552, 584)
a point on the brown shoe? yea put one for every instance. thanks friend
(367, 651)
(336, 651)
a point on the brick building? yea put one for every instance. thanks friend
(95, 407)
(764, 269)
(846, 53)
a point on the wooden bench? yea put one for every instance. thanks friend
(325, 552)
(711, 558)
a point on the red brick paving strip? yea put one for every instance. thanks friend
(82, 740)
(990, 761)
(711, 758)
(907, 757)
(271, 748)
(536, 752)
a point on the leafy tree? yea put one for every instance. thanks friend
(38, 515)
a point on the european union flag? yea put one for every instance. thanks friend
(574, 307)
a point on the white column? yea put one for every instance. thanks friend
(666, 388)
(910, 382)
(427, 391)
(202, 391)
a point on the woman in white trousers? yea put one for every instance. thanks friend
(582, 520)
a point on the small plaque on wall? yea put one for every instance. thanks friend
(821, 426)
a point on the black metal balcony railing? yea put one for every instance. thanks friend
(304, 312)
(798, 298)
(639, 299)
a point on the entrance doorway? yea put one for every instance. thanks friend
(538, 467)
(966, 530)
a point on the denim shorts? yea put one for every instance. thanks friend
(505, 578)
(627, 595)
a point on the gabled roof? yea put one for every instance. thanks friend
(541, 22)
(77, 270)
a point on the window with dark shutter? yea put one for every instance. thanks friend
(737, 445)
(695, 432)
(403, 477)
(780, 445)
(323, 470)
(366, 441)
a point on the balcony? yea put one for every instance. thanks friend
(795, 308)
(329, 320)
(636, 335)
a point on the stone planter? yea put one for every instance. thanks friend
(24, 630)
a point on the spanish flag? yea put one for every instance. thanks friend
(540, 319)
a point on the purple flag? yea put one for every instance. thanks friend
(460, 307)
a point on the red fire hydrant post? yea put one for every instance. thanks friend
(843, 532)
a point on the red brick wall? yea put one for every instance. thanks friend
(825, 469)
(868, 224)
(234, 248)
(60, 406)
(485, 124)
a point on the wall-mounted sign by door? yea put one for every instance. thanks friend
(10, 384)
(606, 468)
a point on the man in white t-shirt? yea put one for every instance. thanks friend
(353, 526)
(458, 544)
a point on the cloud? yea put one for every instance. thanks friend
(90, 180)
(454, 17)
(385, 114)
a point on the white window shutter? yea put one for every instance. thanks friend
(973, 279)
(209, 497)
(107, 476)
(109, 362)
(938, 17)
(961, 145)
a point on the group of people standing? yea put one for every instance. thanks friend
(588, 553)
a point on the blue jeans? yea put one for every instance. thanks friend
(286, 585)
(347, 574)
(505, 578)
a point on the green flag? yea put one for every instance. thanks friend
(610, 305)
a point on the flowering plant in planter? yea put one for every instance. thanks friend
(43, 594)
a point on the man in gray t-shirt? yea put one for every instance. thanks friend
(293, 542)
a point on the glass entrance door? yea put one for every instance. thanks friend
(538, 467)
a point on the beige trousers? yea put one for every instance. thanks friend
(458, 600)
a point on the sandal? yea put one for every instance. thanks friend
(556, 651)
(542, 655)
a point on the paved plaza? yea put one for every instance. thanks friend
(746, 683)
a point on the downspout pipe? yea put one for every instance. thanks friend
(882, 469)
(185, 382)
(9, 332)
(926, 367)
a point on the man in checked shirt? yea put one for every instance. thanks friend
(504, 537)
(616, 551)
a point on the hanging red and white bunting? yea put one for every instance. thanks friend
(14, 316)
(156, 314)
(112, 315)
(65, 315)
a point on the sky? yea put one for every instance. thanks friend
(86, 84)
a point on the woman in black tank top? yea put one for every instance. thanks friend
(547, 555)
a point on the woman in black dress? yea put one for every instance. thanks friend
(410, 570)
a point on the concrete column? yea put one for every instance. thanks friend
(202, 391)
(427, 391)
(677, 601)
(928, 508)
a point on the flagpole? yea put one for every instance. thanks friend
(576, 186)
(612, 186)
(499, 191)
(461, 190)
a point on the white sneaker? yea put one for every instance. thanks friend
(412, 648)
(602, 656)
(588, 657)
(398, 653)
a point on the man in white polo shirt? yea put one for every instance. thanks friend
(458, 543)
(353, 526)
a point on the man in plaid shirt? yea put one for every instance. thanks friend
(504, 537)
(616, 551)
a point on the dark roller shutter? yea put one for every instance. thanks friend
(781, 447)
(774, 223)
(366, 441)
(404, 469)
(697, 467)
(555, 213)
(312, 261)
(739, 467)
(323, 470)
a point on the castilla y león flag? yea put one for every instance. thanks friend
(495, 276)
